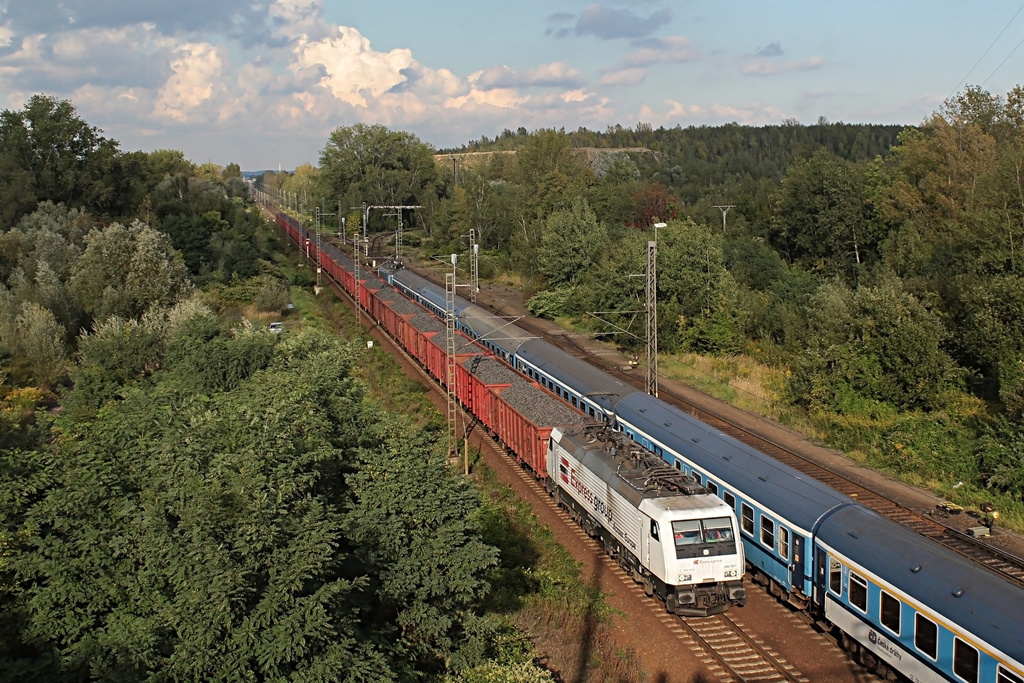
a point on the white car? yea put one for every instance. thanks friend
(276, 328)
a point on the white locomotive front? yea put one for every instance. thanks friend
(669, 532)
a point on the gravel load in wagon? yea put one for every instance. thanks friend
(388, 294)
(403, 306)
(427, 323)
(540, 408)
(372, 283)
(490, 371)
(464, 346)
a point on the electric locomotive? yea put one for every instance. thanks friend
(666, 530)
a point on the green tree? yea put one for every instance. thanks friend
(873, 344)
(174, 540)
(39, 344)
(48, 153)
(125, 270)
(378, 166)
(571, 244)
(822, 219)
(412, 524)
(697, 296)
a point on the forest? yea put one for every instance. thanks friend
(186, 496)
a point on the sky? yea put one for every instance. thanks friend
(264, 82)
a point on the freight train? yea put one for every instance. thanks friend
(903, 605)
(665, 529)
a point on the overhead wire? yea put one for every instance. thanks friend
(989, 50)
(1003, 62)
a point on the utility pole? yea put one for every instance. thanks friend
(652, 317)
(319, 257)
(474, 268)
(724, 208)
(355, 275)
(652, 312)
(449, 305)
(396, 207)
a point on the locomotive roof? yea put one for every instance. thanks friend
(799, 499)
(633, 472)
(988, 606)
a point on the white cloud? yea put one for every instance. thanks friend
(6, 35)
(629, 76)
(352, 70)
(672, 50)
(197, 72)
(765, 68)
(502, 98)
(754, 114)
(297, 18)
(555, 74)
(576, 96)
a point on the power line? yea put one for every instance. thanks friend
(1003, 62)
(986, 52)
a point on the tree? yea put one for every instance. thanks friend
(873, 344)
(822, 220)
(125, 270)
(651, 204)
(377, 166)
(199, 538)
(48, 153)
(571, 244)
(39, 344)
(697, 297)
(411, 522)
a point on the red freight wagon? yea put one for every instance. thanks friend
(524, 415)
(527, 440)
(475, 390)
(436, 353)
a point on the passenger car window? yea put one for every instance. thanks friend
(965, 661)
(730, 500)
(767, 532)
(926, 636)
(835, 576)
(858, 592)
(784, 542)
(1004, 676)
(889, 612)
(748, 518)
(713, 487)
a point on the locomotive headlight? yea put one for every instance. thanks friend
(683, 578)
(730, 573)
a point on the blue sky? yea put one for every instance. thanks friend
(264, 82)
